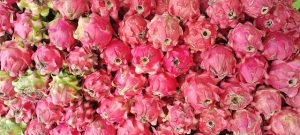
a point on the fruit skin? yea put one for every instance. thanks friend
(48, 113)
(142, 7)
(133, 127)
(35, 128)
(146, 59)
(162, 85)
(164, 36)
(246, 40)
(69, 9)
(15, 57)
(186, 10)
(221, 65)
(278, 46)
(161, 6)
(133, 30)
(20, 109)
(116, 55)
(5, 15)
(99, 127)
(225, 13)
(258, 7)
(205, 31)
(61, 34)
(178, 61)
(6, 87)
(294, 101)
(64, 129)
(106, 7)
(48, 59)
(94, 31)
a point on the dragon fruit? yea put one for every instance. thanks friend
(94, 31)
(164, 32)
(5, 15)
(206, 30)
(267, 101)
(163, 129)
(278, 46)
(235, 96)
(48, 113)
(213, 121)
(6, 87)
(128, 83)
(3, 108)
(116, 55)
(97, 85)
(146, 59)
(161, 6)
(284, 77)
(15, 57)
(245, 122)
(106, 7)
(285, 122)
(186, 10)
(181, 118)
(20, 109)
(64, 129)
(69, 9)
(246, 40)
(61, 34)
(48, 59)
(146, 108)
(178, 61)
(225, 13)
(99, 127)
(133, 30)
(81, 61)
(36, 128)
(219, 60)
(113, 109)
(162, 85)
(294, 101)
(64, 89)
(200, 92)
(133, 127)
(142, 7)
(256, 8)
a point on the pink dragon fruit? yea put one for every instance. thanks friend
(15, 57)
(252, 70)
(162, 85)
(293, 24)
(245, 40)
(9, 2)
(146, 108)
(94, 32)
(113, 109)
(267, 101)
(178, 61)
(286, 122)
(235, 96)
(133, 30)
(274, 20)
(61, 33)
(245, 122)
(164, 31)
(64, 129)
(206, 30)
(48, 113)
(116, 55)
(64, 89)
(213, 121)
(106, 7)
(81, 61)
(48, 59)
(219, 60)
(256, 8)
(3, 108)
(36, 128)
(181, 118)
(225, 13)
(294, 101)
(146, 59)
(20, 109)
(161, 6)
(200, 91)
(284, 77)
(99, 127)
(97, 85)
(278, 46)
(128, 83)
(142, 7)
(70, 9)
(164, 129)
(186, 10)
(6, 87)
(5, 17)
(133, 127)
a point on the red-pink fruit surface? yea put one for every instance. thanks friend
(186, 10)
(64, 129)
(142, 7)
(106, 7)
(133, 30)
(99, 127)
(48, 113)
(116, 55)
(133, 127)
(294, 101)
(200, 35)
(5, 15)
(6, 87)
(34, 127)
(163, 129)
(161, 6)
(164, 31)
(256, 8)
(70, 9)
(245, 39)
(20, 109)
(3, 108)
(22, 25)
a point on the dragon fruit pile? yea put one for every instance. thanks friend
(149, 67)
